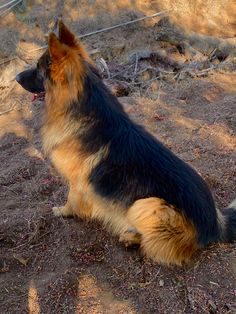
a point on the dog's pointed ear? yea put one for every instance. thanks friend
(65, 35)
(67, 38)
(56, 49)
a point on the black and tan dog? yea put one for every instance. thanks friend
(117, 172)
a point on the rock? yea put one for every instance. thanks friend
(161, 283)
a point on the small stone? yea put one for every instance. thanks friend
(161, 283)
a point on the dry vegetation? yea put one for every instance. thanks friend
(171, 77)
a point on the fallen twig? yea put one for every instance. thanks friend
(123, 71)
(139, 83)
(8, 60)
(149, 81)
(104, 64)
(6, 111)
(136, 66)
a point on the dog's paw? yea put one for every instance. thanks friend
(57, 211)
(131, 238)
(64, 211)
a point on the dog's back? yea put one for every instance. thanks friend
(138, 166)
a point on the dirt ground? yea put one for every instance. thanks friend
(55, 265)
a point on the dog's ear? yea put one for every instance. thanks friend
(53, 29)
(65, 35)
(56, 49)
(69, 39)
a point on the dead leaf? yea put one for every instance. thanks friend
(21, 260)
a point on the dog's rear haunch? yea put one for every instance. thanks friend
(117, 172)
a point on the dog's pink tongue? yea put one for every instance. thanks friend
(34, 97)
(39, 96)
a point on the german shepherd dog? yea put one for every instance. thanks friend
(117, 172)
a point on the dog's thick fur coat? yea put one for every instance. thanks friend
(117, 172)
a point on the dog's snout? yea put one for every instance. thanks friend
(30, 80)
(18, 78)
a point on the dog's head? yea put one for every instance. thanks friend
(57, 64)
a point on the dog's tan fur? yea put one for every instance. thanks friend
(167, 236)
(164, 234)
(116, 171)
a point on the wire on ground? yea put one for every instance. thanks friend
(111, 27)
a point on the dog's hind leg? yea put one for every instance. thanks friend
(167, 236)
(64, 211)
(131, 237)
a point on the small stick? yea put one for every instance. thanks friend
(139, 83)
(6, 111)
(8, 60)
(123, 71)
(145, 83)
(136, 66)
(103, 62)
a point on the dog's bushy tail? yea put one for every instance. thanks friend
(227, 223)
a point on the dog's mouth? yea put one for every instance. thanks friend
(38, 96)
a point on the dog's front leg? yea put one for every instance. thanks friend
(69, 208)
(77, 204)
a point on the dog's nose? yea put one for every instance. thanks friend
(17, 78)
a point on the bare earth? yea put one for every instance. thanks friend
(56, 265)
